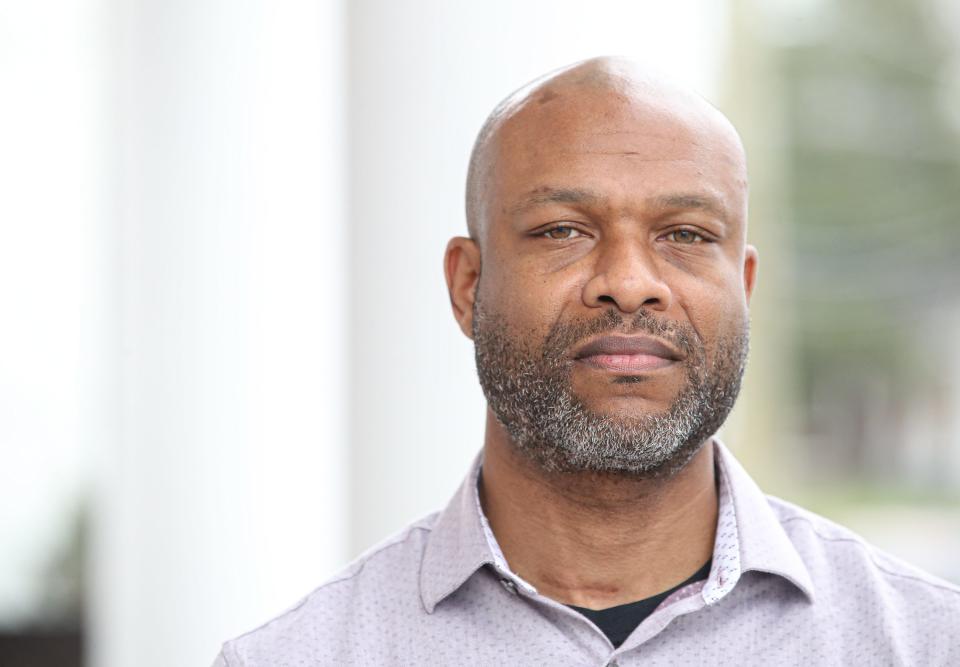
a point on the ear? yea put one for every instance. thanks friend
(461, 267)
(749, 270)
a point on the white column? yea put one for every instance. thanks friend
(762, 429)
(221, 498)
(51, 205)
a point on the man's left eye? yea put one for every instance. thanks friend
(685, 236)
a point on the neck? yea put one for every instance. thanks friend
(597, 540)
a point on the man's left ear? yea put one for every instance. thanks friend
(749, 270)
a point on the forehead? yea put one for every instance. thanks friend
(618, 146)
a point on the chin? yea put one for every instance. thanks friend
(628, 406)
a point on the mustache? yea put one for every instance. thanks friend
(564, 337)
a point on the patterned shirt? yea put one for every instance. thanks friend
(787, 587)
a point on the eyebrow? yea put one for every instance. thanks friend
(700, 202)
(682, 200)
(551, 195)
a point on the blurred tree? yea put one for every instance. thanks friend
(875, 193)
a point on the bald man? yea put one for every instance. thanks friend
(605, 284)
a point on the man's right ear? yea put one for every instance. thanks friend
(461, 267)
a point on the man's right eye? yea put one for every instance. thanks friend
(561, 233)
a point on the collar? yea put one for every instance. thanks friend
(458, 546)
(749, 535)
(749, 538)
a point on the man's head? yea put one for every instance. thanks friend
(606, 278)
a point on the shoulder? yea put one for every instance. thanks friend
(843, 563)
(381, 581)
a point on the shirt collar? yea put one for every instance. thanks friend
(749, 531)
(457, 546)
(749, 538)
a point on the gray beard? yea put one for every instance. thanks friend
(529, 391)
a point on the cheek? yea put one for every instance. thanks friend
(531, 299)
(715, 309)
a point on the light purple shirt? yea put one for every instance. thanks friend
(787, 587)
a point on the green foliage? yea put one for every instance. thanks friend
(875, 201)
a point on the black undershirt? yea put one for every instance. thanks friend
(618, 622)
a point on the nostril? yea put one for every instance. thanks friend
(606, 299)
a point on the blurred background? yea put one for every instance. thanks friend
(227, 363)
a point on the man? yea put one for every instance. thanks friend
(605, 284)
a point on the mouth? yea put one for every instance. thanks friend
(627, 354)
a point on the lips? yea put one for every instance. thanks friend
(627, 354)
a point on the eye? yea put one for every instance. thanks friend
(685, 237)
(561, 233)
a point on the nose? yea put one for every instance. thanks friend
(625, 276)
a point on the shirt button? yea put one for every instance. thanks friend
(509, 585)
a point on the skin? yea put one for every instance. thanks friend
(602, 187)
